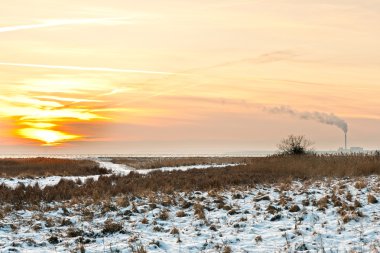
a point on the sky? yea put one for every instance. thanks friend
(173, 77)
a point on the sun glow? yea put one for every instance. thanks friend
(43, 118)
(47, 136)
(40, 124)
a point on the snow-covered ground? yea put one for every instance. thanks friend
(285, 217)
(115, 169)
(122, 169)
(43, 181)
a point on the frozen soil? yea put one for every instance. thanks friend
(339, 215)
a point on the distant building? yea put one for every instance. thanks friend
(356, 150)
(343, 150)
(351, 150)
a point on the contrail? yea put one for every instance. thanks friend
(78, 68)
(53, 23)
(322, 117)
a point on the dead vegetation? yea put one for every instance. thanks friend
(260, 170)
(199, 211)
(76, 222)
(180, 214)
(371, 199)
(111, 227)
(159, 162)
(42, 167)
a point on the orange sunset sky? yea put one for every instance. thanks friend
(179, 76)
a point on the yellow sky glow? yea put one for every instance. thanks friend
(47, 137)
(153, 73)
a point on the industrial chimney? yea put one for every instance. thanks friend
(345, 141)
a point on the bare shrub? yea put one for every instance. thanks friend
(227, 249)
(145, 221)
(306, 202)
(73, 232)
(49, 222)
(174, 231)
(122, 201)
(346, 218)
(140, 249)
(157, 229)
(295, 145)
(66, 222)
(258, 239)
(164, 215)
(199, 211)
(294, 208)
(53, 240)
(111, 227)
(349, 196)
(323, 203)
(360, 184)
(273, 210)
(371, 199)
(357, 203)
(180, 213)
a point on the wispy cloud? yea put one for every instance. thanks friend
(75, 100)
(24, 100)
(62, 22)
(275, 56)
(79, 68)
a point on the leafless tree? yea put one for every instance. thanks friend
(295, 145)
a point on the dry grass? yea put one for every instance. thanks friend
(38, 167)
(174, 231)
(111, 227)
(227, 249)
(164, 215)
(275, 169)
(371, 199)
(159, 162)
(199, 211)
(180, 214)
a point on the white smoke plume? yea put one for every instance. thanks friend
(322, 117)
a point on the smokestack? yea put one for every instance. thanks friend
(322, 117)
(345, 141)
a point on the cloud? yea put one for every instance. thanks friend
(275, 56)
(212, 100)
(78, 68)
(74, 100)
(24, 100)
(62, 22)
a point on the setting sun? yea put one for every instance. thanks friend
(149, 77)
(181, 126)
(48, 137)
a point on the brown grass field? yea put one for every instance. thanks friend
(37, 167)
(264, 170)
(159, 162)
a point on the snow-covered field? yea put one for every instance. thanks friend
(115, 169)
(322, 216)
(330, 216)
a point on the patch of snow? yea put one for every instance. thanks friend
(43, 181)
(185, 168)
(115, 169)
(249, 229)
